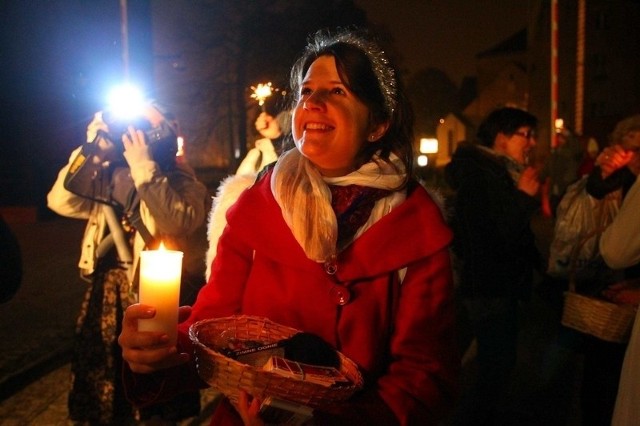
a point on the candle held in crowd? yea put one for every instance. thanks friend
(160, 273)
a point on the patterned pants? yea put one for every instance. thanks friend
(97, 396)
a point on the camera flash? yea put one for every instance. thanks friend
(126, 102)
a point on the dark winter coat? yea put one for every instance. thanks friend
(491, 223)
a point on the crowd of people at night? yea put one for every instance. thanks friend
(327, 227)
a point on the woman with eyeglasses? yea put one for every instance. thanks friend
(495, 198)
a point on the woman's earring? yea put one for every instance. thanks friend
(372, 138)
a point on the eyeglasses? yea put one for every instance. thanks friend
(529, 134)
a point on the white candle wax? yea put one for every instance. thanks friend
(160, 272)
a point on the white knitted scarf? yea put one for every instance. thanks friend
(305, 199)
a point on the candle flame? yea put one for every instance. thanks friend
(261, 92)
(161, 246)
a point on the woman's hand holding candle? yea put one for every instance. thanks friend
(149, 351)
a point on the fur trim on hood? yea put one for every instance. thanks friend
(227, 194)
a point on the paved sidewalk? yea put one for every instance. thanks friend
(44, 403)
(37, 325)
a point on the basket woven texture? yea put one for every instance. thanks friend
(230, 376)
(600, 318)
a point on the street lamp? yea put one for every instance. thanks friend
(428, 146)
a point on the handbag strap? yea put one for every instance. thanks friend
(574, 257)
(133, 216)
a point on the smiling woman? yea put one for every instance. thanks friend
(330, 123)
(311, 259)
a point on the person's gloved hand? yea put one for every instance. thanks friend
(136, 150)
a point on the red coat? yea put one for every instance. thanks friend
(400, 335)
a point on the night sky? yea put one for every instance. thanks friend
(447, 34)
(58, 60)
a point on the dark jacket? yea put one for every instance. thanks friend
(491, 224)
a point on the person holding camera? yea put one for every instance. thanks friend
(134, 195)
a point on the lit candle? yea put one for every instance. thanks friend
(160, 272)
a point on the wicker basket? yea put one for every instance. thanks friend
(598, 317)
(230, 376)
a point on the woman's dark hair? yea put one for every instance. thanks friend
(357, 73)
(505, 120)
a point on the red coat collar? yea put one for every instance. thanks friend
(413, 230)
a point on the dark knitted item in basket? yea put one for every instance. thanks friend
(308, 348)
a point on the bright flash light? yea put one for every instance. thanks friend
(423, 160)
(126, 102)
(261, 92)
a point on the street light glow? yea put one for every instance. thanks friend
(428, 145)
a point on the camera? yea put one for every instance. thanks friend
(118, 127)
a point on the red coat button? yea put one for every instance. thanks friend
(340, 295)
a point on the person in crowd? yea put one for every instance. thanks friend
(274, 128)
(495, 198)
(346, 245)
(11, 267)
(601, 360)
(617, 168)
(150, 197)
(620, 248)
(274, 131)
(614, 166)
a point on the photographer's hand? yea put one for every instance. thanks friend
(96, 125)
(136, 150)
(106, 149)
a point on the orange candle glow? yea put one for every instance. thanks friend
(160, 273)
